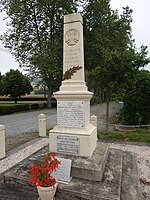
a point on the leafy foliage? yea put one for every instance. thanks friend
(35, 37)
(1, 83)
(136, 110)
(15, 84)
(110, 54)
(111, 57)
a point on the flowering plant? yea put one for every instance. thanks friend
(41, 173)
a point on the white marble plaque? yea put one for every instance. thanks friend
(70, 114)
(68, 144)
(63, 173)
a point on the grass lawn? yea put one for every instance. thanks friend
(138, 135)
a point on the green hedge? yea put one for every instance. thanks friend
(35, 98)
(95, 100)
(6, 109)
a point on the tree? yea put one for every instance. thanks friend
(15, 84)
(136, 109)
(35, 37)
(110, 53)
(1, 83)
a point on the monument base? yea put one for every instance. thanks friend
(79, 142)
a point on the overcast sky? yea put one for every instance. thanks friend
(140, 29)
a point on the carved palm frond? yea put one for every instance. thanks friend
(69, 73)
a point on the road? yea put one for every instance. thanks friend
(25, 122)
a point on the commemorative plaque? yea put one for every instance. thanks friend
(63, 172)
(70, 114)
(68, 144)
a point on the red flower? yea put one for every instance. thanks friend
(41, 173)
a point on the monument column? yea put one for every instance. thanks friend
(73, 134)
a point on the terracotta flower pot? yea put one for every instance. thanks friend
(46, 193)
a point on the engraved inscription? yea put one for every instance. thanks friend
(72, 57)
(72, 37)
(70, 114)
(68, 144)
(63, 172)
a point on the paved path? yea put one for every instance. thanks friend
(26, 122)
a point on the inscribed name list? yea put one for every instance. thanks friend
(70, 114)
(68, 144)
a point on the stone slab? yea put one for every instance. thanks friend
(108, 189)
(130, 188)
(116, 184)
(19, 175)
(89, 168)
(11, 192)
(83, 168)
(16, 157)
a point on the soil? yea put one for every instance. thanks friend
(13, 142)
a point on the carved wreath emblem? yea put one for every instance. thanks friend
(72, 37)
(69, 73)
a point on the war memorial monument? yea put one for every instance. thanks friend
(98, 172)
(91, 170)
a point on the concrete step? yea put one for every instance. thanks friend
(108, 189)
(130, 185)
(84, 168)
(89, 168)
(119, 181)
(12, 192)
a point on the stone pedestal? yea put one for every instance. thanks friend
(74, 134)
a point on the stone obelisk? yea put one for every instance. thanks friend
(73, 134)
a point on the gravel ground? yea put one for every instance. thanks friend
(143, 158)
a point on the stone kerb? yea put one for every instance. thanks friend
(2, 142)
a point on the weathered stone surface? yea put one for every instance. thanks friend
(91, 168)
(12, 192)
(108, 189)
(130, 187)
(20, 174)
(117, 183)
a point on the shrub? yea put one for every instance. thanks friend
(136, 109)
(34, 106)
(11, 108)
(6, 109)
(95, 100)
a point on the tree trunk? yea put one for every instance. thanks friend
(107, 116)
(44, 92)
(49, 95)
(15, 99)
